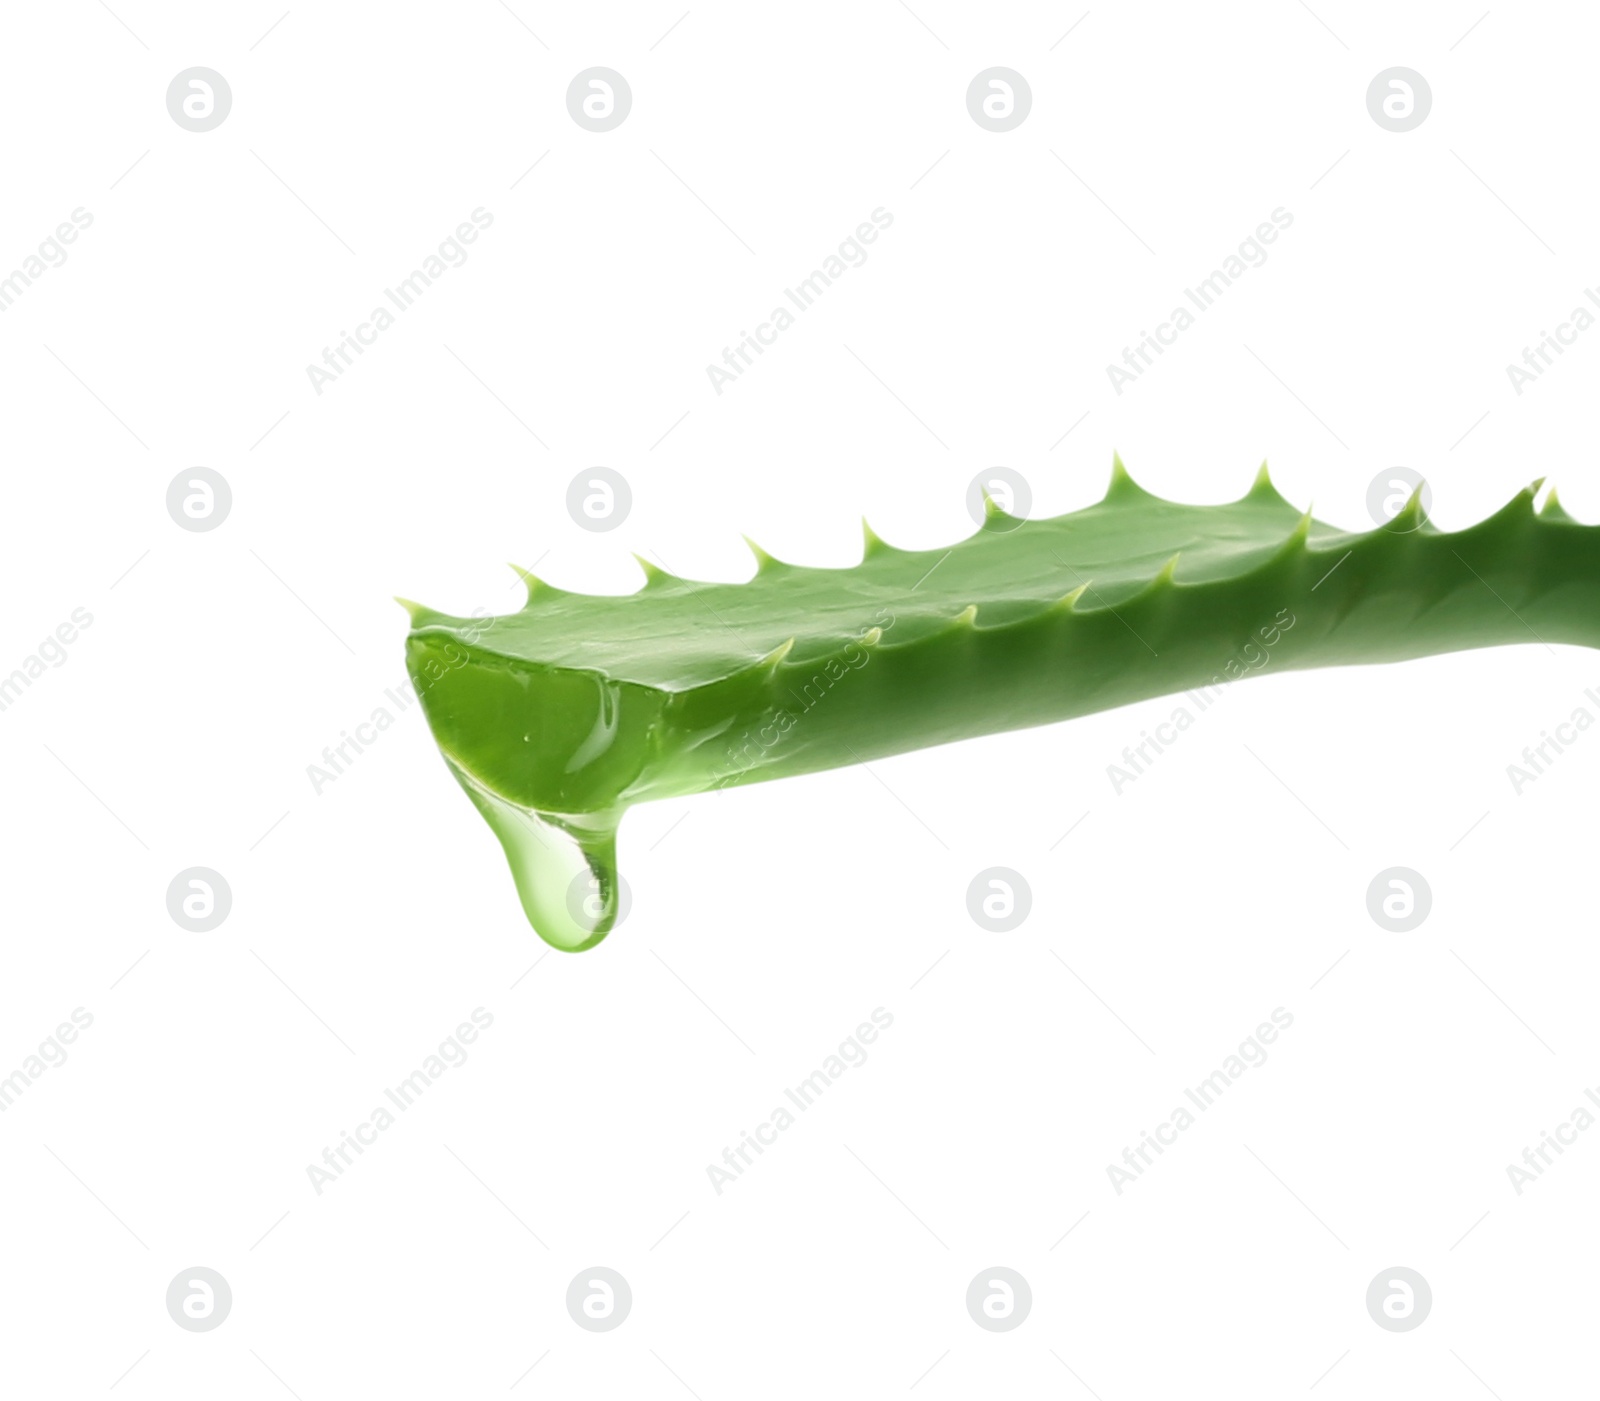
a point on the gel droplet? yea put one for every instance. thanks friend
(549, 854)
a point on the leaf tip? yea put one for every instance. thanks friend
(1415, 512)
(764, 561)
(654, 575)
(1068, 602)
(1263, 489)
(872, 543)
(771, 661)
(1123, 487)
(534, 584)
(1552, 509)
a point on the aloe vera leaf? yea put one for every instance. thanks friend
(557, 718)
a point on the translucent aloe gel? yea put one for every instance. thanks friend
(557, 718)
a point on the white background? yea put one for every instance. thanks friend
(218, 665)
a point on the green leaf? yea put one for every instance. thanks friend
(559, 717)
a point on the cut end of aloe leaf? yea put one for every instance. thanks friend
(557, 718)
